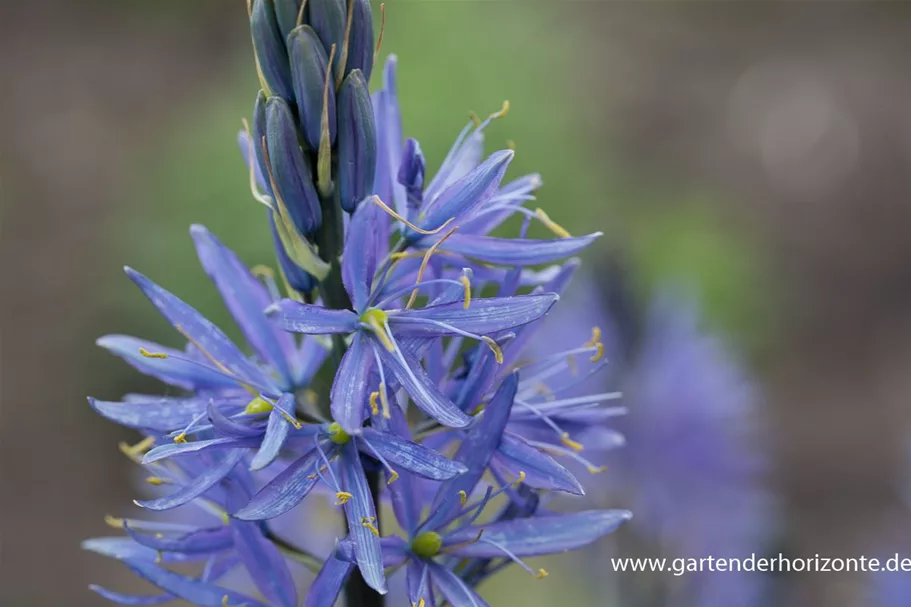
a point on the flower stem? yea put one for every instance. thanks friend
(329, 239)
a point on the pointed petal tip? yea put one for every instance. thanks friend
(197, 229)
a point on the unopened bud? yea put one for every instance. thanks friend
(360, 41)
(309, 64)
(356, 141)
(286, 12)
(291, 167)
(411, 174)
(268, 42)
(328, 20)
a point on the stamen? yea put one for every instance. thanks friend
(324, 155)
(467, 284)
(376, 319)
(214, 360)
(503, 111)
(384, 400)
(427, 255)
(181, 438)
(367, 522)
(552, 225)
(510, 555)
(300, 14)
(474, 118)
(542, 573)
(566, 440)
(267, 276)
(376, 200)
(510, 145)
(393, 475)
(342, 497)
(224, 602)
(157, 481)
(519, 479)
(495, 348)
(374, 408)
(463, 497)
(421, 602)
(135, 452)
(251, 154)
(343, 57)
(455, 547)
(148, 354)
(113, 521)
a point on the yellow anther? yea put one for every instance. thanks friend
(376, 319)
(595, 342)
(503, 110)
(463, 497)
(258, 405)
(474, 118)
(520, 479)
(378, 202)
(374, 407)
(566, 440)
(544, 390)
(393, 476)
(342, 497)
(181, 438)
(466, 284)
(367, 522)
(135, 451)
(156, 480)
(159, 557)
(113, 521)
(420, 603)
(542, 573)
(552, 225)
(495, 348)
(292, 420)
(597, 469)
(427, 255)
(510, 145)
(384, 401)
(224, 599)
(263, 271)
(478, 409)
(148, 354)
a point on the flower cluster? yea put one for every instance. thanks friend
(420, 317)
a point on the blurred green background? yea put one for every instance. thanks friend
(678, 130)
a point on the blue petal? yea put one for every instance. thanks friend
(482, 316)
(469, 192)
(201, 541)
(350, 387)
(225, 426)
(208, 337)
(402, 493)
(276, 432)
(176, 449)
(541, 470)
(418, 584)
(540, 535)
(454, 588)
(265, 564)
(158, 414)
(314, 320)
(246, 298)
(284, 491)
(175, 370)
(358, 510)
(131, 599)
(423, 390)
(358, 259)
(389, 140)
(410, 456)
(312, 354)
(199, 485)
(329, 583)
(124, 548)
(193, 591)
(516, 251)
(475, 452)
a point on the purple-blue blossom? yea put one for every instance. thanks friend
(390, 282)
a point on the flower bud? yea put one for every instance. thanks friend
(270, 48)
(360, 42)
(328, 19)
(257, 132)
(296, 276)
(411, 174)
(356, 141)
(291, 167)
(309, 65)
(286, 12)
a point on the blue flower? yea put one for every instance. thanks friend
(223, 546)
(378, 323)
(247, 403)
(450, 531)
(466, 192)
